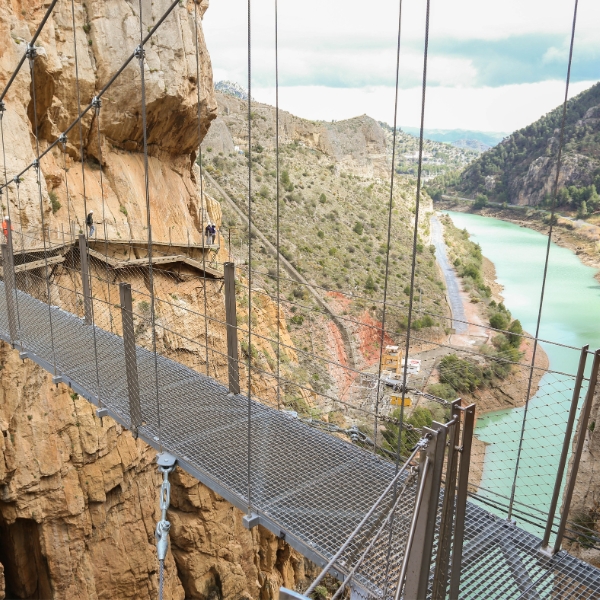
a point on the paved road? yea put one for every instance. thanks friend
(452, 284)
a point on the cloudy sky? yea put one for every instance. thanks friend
(493, 66)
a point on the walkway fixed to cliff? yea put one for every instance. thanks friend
(39, 251)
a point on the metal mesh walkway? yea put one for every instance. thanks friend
(307, 486)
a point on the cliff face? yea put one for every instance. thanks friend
(79, 505)
(79, 498)
(106, 34)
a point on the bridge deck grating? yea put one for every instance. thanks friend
(310, 485)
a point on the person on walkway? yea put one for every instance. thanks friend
(213, 234)
(208, 232)
(89, 221)
(5, 225)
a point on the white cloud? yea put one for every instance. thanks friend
(486, 109)
(337, 57)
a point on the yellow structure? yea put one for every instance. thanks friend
(391, 359)
(396, 400)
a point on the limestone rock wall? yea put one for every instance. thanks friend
(79, 498)
(79, 504)
(106, 33)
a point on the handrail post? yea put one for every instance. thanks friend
(10, 286)
(583, 421)
(232, 337)
(85, 279)
(461, 499)
(440, 580)
(565, 449)
(133, 386)
(419, 559)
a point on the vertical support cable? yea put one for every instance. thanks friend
(277, 213)
(97, 103)
(389, 230)
(201, 181)
(414, 253)
(8, 275)
(32, 53)
(10, 225)
(550, 230)
(249, 466)
(82, 155)
(140, 54)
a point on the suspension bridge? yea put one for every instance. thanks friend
(386, 524)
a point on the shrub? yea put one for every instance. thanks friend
(322, 198)
(370, 284)
(54, 203)
(297, 319)
(499, 321)
(516, 330)
(358, 228)
(461, 374)
(442, 390)
(123, 210)
(421, 417)
(320, 234)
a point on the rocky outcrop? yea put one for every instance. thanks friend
(538, 182)
(78, 498)
(79, 504)
(106, 34)
(357, 145)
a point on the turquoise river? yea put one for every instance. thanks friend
(571, 316)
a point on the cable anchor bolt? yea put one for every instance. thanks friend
(139, 53)
(62, 139)
(17, 180)
(2, 106)
(97, 103)
(31, 52)
(166, 464)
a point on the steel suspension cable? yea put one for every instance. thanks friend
(141, 54)
(249, 465)
(389, 229)
(546, 260)
(277, 207)
(413, 269)
(202, 233)
(32, 55)
(82, 155)
(2, 111)
(100, 159)
(32, 42)
(71, 232)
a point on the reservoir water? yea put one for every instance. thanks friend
(571, 316)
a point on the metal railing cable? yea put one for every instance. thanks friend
(202, 233)
(547, 257)
(362, 523)
(32, 53)
(31, 43)
(140, 54)
(389, 224)
(249, 49)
